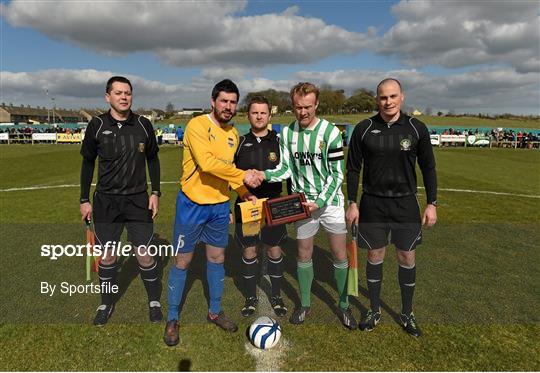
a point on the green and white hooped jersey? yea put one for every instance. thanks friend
(314, 161)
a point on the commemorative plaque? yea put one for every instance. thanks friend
(285, 209)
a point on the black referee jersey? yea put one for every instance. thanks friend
(123, 147)
(259, 153)
(389, 154)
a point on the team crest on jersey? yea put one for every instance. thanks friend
(141, 147)
(321, 145)
(405, 144)
(230, 141)
(272, 157)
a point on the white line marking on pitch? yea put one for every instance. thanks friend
(267, 360)
(39, 187)
(485, 192)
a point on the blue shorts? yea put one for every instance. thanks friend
(199, 223)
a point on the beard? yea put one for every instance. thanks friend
(223, 116)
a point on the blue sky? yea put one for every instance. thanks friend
(451, 55)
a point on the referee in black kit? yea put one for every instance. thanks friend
(124, 143)
(388, 145)
(259, 149)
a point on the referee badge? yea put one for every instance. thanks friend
(272, 157)
(141, 147)
(405, 144)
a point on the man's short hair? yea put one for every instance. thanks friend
(384, 81)
(258, 100)
(227, 86)
(120, 79)
(304, 89)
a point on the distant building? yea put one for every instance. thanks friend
(36, 115)
(191, 111)
(160, 114)
(89, 113)
(152, 115)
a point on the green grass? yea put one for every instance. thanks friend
(476, 298)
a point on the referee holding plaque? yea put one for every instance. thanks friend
(259, 149)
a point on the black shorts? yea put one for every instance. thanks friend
(113, 212)
(397, 217)
(271, 236)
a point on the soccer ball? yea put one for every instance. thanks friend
(265, 332)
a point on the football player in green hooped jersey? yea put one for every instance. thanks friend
(312, 156)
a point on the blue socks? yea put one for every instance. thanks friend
(176, 283)
(215, 275)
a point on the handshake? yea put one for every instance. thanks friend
(253, 178)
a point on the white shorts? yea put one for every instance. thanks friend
(332, 219)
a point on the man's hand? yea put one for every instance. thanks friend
(259, 175)
(312, 206)
(430, 216)
(251, 179)
(153, 204)
(249, 197)
(254, 178)
(86, 211)
(352, 215)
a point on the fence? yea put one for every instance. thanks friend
(480, 140)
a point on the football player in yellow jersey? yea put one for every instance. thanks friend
(202, 205)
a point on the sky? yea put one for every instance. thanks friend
(459, 56)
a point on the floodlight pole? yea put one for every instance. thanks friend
(52, 98)
(48, 109)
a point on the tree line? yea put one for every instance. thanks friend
(331, 101)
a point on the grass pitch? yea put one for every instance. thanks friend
(476, 297)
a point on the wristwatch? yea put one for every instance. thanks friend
(84, 200)
(434, 203)
(156, 193)
(349, 202)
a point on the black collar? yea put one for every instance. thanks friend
(129, 121)
(401, 120)
(269, 136)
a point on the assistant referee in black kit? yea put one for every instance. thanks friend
(124, 142)
(388, 145)
(259, 149)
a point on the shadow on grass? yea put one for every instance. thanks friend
(129, 269)
(324, 272)
(184, 365)
(233, 267)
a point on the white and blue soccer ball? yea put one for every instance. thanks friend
(265, 332)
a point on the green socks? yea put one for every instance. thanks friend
(305, 278)
(341, 270)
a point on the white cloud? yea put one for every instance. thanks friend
(86, 88)
(456, 34)
(187, 33)
(492, 90)
(126, 26)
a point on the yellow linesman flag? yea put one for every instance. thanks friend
(252, 216)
